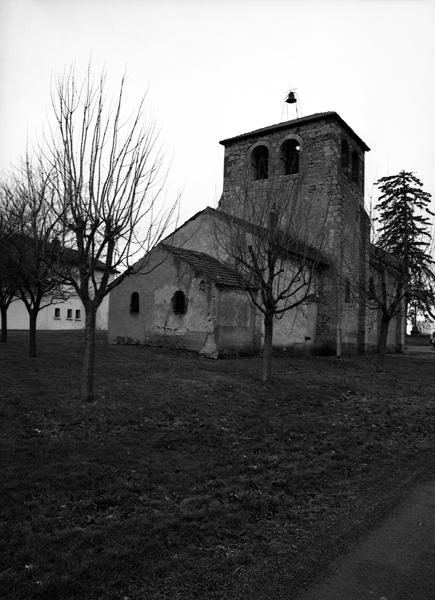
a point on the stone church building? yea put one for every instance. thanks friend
(191, 294)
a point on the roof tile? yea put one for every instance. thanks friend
(214, 269)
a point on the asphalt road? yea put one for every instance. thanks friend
(396, 561)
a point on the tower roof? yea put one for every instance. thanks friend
(294, 124)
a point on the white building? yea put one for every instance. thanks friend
(63, 314)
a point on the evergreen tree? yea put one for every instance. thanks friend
(405, 233)
(405, 224)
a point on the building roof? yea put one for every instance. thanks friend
(71, 256)
(212, 268)
(52, 250)
(294, 124)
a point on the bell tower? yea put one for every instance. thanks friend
(313, 167)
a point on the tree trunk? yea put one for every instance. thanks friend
(4, 316)
(383, 340)
(267, 347)
(88, 369)
(33, 315)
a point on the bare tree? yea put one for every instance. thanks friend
(386, 293)
(8, 287)
(275, 250)
(421, 299)
(109, 187)
(32, 233)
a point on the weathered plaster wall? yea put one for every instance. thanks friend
(202, 234)
(297, 328)
(216, 320)
(235, 322)
(189, 330)
(156, 322)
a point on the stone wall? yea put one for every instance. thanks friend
(321, 205)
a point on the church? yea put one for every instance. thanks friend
(307, 175)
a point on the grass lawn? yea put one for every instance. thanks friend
(191, 479)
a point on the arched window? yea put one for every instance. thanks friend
(179, 303)
(344, 155)
(355, 167)
(134, 303)
(260, 162)
(290, 156)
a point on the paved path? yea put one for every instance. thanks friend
(396, 561)
(419, 350)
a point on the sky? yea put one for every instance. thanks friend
(213, 69)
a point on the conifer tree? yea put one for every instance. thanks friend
(405, 233)
(405, 225)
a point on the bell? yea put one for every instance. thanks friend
(291, 98)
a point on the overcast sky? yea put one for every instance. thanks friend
(218, 68)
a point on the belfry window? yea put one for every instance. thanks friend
(355, 167)
(290, 150)
(260, 163)
(344, 155)
(179, 303)
(134, 303)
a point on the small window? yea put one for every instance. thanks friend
(347, 290)
(57, 313)
(290, 157)
(69, 313)
(179, 303)
(134, 303)
(78, 315)
(202, 286)
(260, 163)
(344, 155)
(355, 167)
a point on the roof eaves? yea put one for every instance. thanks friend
(294, 123)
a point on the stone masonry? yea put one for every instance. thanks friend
(328, 208)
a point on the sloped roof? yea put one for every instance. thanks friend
(294, 123)
(71, 256)
(212, 268)
(67, 256)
